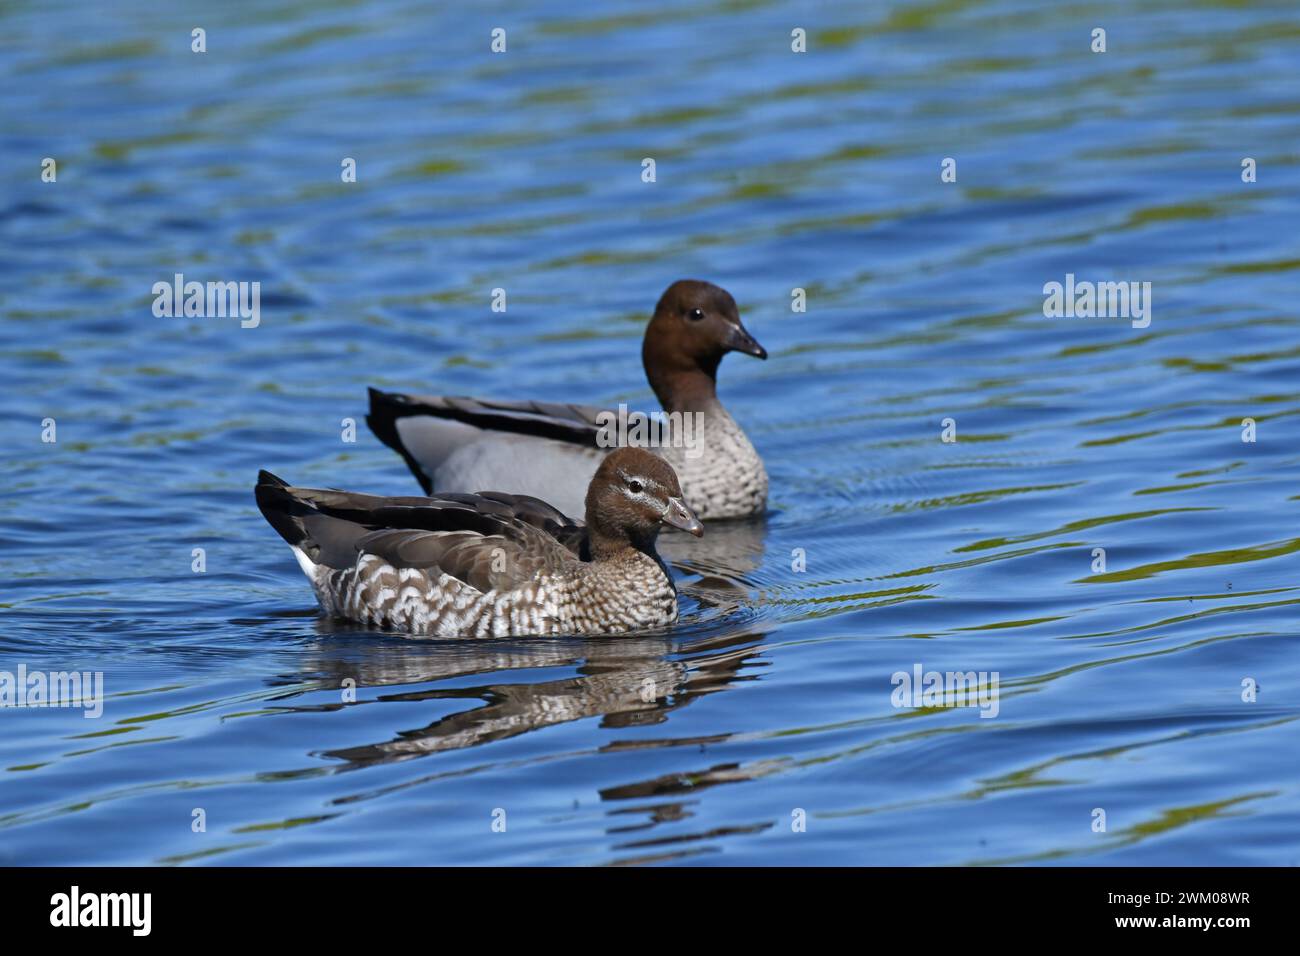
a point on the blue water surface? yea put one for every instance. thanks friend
(771, 736)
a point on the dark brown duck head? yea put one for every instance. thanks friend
(694, 325)
(633, 493)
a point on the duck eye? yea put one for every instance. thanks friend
(635, 486)
(695, 315)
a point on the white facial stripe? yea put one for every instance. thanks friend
(654, 494)
(645, 480)
(642, 497)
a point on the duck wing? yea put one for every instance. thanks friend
(458, 442)
(489, 540)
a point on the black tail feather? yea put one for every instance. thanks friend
(282, 509)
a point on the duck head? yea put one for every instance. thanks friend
(632, 495)
(695, 324)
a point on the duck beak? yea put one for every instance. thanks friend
(679, 515)
(741, 341)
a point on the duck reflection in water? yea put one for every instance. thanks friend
(626, 681)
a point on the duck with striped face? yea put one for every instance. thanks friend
(491, 563)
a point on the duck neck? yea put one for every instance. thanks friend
(614, 547)
(685, 388)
